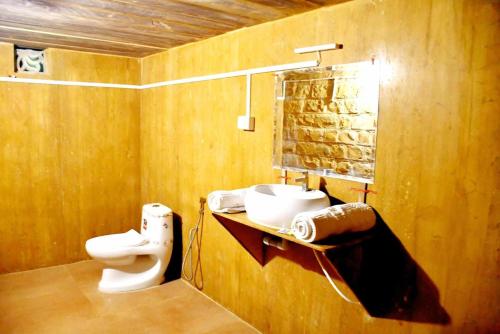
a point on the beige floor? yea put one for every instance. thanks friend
(64, 299)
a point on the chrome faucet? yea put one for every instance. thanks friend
(305, 180)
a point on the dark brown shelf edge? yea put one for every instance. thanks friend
(339, 241)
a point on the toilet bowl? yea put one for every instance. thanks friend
(135, 260)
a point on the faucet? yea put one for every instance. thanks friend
(305, 180)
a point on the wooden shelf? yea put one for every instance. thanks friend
(325, 245)
(370, 267)
(251, 236)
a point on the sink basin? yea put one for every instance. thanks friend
(275, 205)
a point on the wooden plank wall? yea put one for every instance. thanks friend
(69, 167)
(437, 158)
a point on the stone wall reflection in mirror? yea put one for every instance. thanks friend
(326, 120)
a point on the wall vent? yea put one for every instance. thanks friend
(29, 60)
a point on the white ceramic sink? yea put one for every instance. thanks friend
(275, 205)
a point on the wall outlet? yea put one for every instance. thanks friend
(246, 123)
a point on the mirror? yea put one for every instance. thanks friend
(326, 120)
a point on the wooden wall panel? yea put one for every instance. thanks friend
(69, 167)
(437, 156)
(6, 63)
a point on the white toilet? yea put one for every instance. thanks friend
(135, 261)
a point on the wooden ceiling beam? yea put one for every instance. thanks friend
(42, 45)
(70, 41)
(71, 19)
(20, 31)
(177, 14)
(88, 12)
(136, 27)
(99, 34)
(190, 9)
(251, 9)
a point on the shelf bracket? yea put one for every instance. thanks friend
(250, 238)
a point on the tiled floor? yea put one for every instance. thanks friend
(64, 299)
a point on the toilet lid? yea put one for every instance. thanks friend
(128, 239)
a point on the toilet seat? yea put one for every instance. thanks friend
(128, 239)
(118, 245)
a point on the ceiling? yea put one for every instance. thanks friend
(134, 28)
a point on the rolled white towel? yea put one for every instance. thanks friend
(316, 225)
(228, 201)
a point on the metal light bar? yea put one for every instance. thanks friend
(317, 48)
(67, 83)
(276, 68)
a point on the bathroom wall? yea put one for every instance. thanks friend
(69, 158)
(437, 156)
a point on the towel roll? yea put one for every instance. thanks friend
(316, 225)
(227, 201)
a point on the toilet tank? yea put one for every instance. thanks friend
(156, 223)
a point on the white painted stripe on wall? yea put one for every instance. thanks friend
(67, 83)
(258, 70)
(224, 75)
